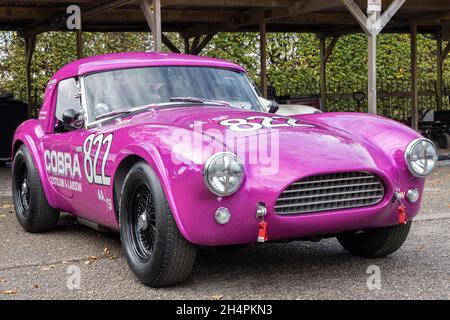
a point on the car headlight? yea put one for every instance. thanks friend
(223, 174)
(421, 157)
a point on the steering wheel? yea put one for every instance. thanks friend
(101, 108)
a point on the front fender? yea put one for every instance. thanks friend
(176, 168)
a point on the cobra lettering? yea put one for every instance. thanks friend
(92, 147)
(62, 164)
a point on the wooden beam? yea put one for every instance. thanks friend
(152, 13)
(388, 14)
(194, 44)
(433, 19)
(329, 49)
(373, 14)
(357, 13)
(63, 2)
(439, 77)
(104, 7)
(374, 22)
(297, 8)
(441, 54)
(28, 13)
(30, 45)
(445, 52)
(186, 45)
(263, 57)
(207, 39)
(79, 43)
(323, 74)
(117, 14)
(53, 18)
(414, 79)
(372, 25)
(325, 52)
(227, 3)
(169, 44)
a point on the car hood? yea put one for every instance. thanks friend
(305, 147)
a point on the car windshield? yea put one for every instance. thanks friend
(107, 92)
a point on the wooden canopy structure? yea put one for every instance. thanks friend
(197, 21)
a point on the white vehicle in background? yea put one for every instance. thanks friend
(289, 109)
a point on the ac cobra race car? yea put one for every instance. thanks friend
(176, 153)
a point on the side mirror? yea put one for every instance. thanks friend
(273, 108)
(72, 119)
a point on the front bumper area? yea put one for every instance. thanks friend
(194, 211)
(244, 225)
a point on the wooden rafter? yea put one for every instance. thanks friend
(253, 18)
(56, 18)
(169, 44)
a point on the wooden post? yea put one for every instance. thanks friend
(441, 54)
(187, 48)
(372, 74)
(372, 17)
(414, 86)
(79, 44)
(439, 78)
(202, 44)
(30, 45)
(323, 75)
(263, 52)
(372, 25)
(152, 13)
(325, 53)
(157, 32)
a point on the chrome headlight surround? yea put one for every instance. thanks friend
(218, 172)
(418, 150)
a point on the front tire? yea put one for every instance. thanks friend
(375, 243)
(155, 250)
(33, 211)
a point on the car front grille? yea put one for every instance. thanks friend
(331, 191)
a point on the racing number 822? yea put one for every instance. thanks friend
(90, 164)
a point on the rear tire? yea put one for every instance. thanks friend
(375, 243)
(155, 250)
(444, 140)
(33, 211)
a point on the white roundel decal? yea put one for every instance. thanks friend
(96, 143)
(243, 124)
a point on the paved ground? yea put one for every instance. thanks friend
(35, 266)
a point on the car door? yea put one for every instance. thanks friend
(62, 164)
(93, 147)
(75, 158)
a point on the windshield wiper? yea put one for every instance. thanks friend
(200, 100)
(188, 100)
(121, 111)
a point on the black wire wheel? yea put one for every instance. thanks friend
(23, 184)
(32, 208)
(142, 222)
(154, 248)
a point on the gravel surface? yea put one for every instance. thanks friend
(35, 266)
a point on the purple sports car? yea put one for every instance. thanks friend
(177, 153)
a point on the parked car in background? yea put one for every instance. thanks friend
(435, 125)
(289, 109)
(177, 152)
(14, 112)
